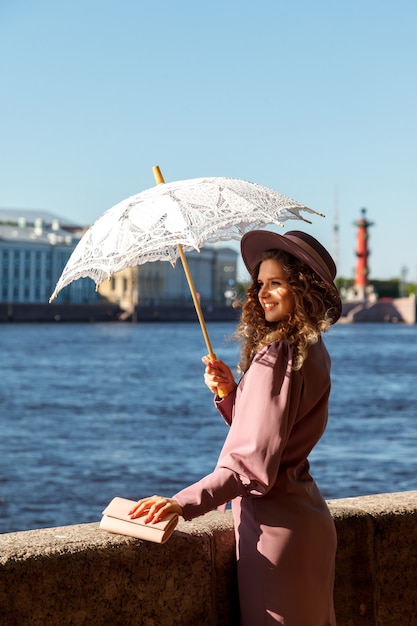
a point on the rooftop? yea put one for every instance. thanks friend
(30, 217)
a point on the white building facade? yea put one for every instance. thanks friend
(33, 253)
(35, 247)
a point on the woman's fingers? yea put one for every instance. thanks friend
(142, 506)
(155, 508)
(218, 377)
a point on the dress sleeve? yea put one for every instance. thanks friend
(265, 406)
(225, 407)
(265, 412)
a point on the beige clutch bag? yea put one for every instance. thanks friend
(116, 520)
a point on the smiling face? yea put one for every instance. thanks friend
(274, 294)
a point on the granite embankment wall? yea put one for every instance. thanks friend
(112, 313)
(80, 575)
(402, 310)
(397, 310)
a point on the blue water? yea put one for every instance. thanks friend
(90, 411)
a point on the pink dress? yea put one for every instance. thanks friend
(285, 535)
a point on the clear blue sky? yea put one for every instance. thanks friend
(317, 100)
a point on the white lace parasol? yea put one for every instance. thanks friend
(154, 224)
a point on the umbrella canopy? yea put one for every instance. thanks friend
(150, 225)
(159, 224)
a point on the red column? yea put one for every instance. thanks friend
(362, 252)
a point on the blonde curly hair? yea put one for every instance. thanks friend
(314, 302)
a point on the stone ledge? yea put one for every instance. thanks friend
(80, 575)
(376, 566)
(77, 538)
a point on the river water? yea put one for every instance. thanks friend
(90, 411)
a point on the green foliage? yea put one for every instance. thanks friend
(343, 283)
(387, 288)
(392, 288)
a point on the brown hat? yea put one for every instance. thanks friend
(301, 245)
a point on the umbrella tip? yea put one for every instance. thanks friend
(157, 175)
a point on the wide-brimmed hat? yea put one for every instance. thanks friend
(302, 246)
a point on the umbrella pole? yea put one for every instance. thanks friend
(196, 301)
(160, 180)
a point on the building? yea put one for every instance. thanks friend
(213, 272)
(36, 245)
(34, 248)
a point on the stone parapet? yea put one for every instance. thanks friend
(376, 566)
(80, 575)
(394, 310)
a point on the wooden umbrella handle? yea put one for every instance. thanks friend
(159, 179)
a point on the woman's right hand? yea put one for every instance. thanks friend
(218, 377)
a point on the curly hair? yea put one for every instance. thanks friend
(311, 315)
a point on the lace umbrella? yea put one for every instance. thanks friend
(161, 223)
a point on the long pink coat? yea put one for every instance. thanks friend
(285, 536)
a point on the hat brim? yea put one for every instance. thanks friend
(256, 242)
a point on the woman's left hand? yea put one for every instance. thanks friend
(218, 377)
(156, 507)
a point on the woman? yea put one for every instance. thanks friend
(285, 536)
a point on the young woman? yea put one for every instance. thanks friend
(285, 536)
